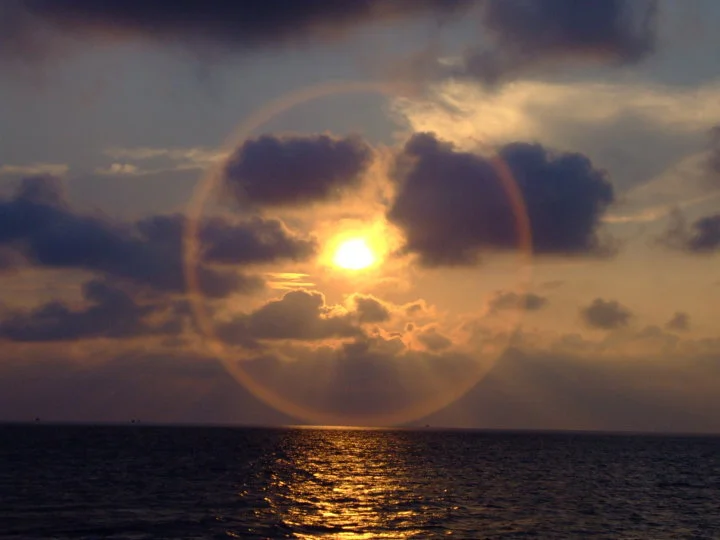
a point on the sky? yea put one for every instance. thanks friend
(460, 213)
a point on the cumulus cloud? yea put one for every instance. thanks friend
(451, 205)
(606, 314)
(112, 313)
(511, 300)
(700, 237)
(38, 223)
(295, 170)
(298, 315)
(679, 322)
(370, 309)
(199, 25)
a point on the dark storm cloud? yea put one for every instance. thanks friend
(527, 34)
(112, 313)
(451, 204)
(38, 223)
(200, 23)
(286, 171)
(299, 315)
(606, 314)
(701, 237)
(679, 322)
(511, 300)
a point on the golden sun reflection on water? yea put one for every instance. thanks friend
(350, 485)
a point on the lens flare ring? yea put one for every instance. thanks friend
(191, 251)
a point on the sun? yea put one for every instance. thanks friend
(354, 254)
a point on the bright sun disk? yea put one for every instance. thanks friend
(354, 254)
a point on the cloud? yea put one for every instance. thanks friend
(121, 169)
(606, 314)
(193, 156)
(35, 169)
(701, 237)
(39, 224)
(554, 112)
(253, 241)
(158, 160)
(289, 280)
(298, 315)
(520, 37)
(641, 131)
(713, 161)
(433, 340)
(451, 204)
(679, 322)
(370, 309)
(511, 300)
(197, 25)
(112, 313)
(295, 170)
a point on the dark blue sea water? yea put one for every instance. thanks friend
(140, 482)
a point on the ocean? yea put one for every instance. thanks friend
(145, 482)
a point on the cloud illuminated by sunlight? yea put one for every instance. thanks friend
(467, 114)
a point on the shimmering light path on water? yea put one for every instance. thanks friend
(195, 483)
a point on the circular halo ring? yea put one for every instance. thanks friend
(191, 252)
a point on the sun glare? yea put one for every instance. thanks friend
(354, 254)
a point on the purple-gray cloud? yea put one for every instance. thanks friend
(295, 170)
(198, 24)
(370, 310)
(679, 322)
(606, 314)
(451, 205)
(713, 162)
(511, 300)
(112, 313)
(702, 236)
(434, 340)
(298, 315)
(531, 34)
(39, 224)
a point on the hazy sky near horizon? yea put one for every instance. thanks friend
(534, 188)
